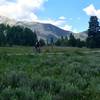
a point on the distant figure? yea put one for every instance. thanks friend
(37, 46)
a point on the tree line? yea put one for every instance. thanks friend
(16, 35)
(71, 41)
(19, 35)
(92, 41)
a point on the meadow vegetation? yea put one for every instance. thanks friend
(54, 74)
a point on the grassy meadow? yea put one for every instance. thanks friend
(56, 73)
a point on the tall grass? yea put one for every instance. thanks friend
(73, 74)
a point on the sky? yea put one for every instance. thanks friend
(72, 15)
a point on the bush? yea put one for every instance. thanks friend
(15, 79)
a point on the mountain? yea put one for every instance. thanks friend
(82, 35)
(44, 31)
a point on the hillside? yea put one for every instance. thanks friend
(44, 31)
(82, 35)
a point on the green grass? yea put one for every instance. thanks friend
(54, 74)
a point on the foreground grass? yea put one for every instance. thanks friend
(54, 74)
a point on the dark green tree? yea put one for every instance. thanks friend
(93, 33)
(80, 43)
(9, 36)
(72, 40)
(2, 39)
(63, 41)
(93, 26)
(42, 42)
(29, 37)
(18, 35)
(2, 35)
(58, 42)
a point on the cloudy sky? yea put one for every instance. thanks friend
(68, 14)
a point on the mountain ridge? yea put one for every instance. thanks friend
(43, 30)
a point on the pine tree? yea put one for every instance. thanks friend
(93, 33)
(93, 26)
(72, 40)
(2, 35)
(42, 42)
